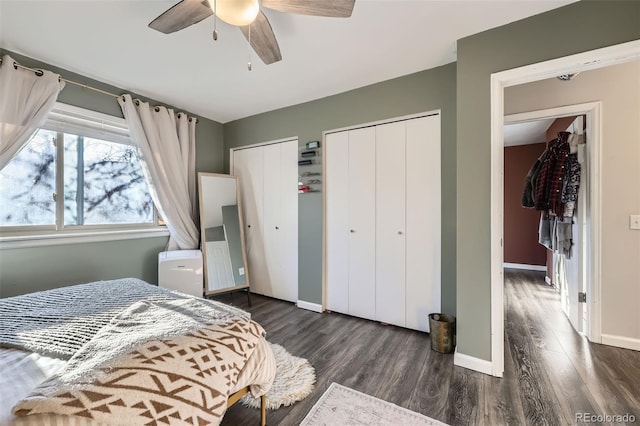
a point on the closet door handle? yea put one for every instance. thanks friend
(277, 227)
(353, 231)
(400, 232)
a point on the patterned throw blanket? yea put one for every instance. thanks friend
(169, 359)
(57, 323)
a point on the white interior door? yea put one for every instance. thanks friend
(248, 165)
(336, 186)
(390, 260)
(272, 220)
(281, 219)
(574, 279)
(423, 290)
(362, 224)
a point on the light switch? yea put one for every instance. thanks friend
(634, 221)
(240, 271)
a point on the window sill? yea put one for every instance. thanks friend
(26, 241)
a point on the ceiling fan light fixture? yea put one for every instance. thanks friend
(236, 12)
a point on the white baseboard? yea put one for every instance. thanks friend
(315, 307)
(523, 266)
(621, 342)
(472, 363)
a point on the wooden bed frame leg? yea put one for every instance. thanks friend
(263, 410)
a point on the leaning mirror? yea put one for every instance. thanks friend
(222, 237)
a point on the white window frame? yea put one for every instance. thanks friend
(79, 121)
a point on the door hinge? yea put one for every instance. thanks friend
(582, 297)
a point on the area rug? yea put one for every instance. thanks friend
(343, 406)
(294, 381)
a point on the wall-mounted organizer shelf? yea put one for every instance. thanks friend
(309, 167)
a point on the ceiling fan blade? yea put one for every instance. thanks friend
(263, 40)
(329, 8)
(181, 15)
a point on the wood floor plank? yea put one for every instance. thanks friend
(537, 402)
(465, 393)
(430, 395)
(571, 394)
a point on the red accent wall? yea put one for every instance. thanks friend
(521, 224)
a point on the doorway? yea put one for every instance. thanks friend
(499, 81)
(562, 252)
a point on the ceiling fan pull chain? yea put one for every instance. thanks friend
(215, 21)
(249, 63)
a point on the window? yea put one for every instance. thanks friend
(78, 172)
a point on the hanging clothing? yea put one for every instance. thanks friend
(532, 176)
(550, 179)
(575, 140)
(552, 186)
(571, 186)
(562, 236)
(556, 233)
(544, 230)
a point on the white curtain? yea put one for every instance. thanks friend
(26, 97)
(166, 143)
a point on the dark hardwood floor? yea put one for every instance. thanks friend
(551, 372)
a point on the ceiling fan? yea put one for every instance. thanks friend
(248, 16)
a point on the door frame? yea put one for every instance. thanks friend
(593, 113)
(585, 61)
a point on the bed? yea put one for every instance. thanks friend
(126, 352)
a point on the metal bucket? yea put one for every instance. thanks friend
(442, 332)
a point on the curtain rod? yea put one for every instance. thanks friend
(39, 72)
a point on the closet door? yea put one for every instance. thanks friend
(281, 219)
(362, 225)
(248, 165)
(288, 222)
(423, 221)
(336, 180)
(390, 223)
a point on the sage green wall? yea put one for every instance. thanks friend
(575, 28)
(423, 91)
(40, 268)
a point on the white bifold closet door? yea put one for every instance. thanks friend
(350, 232)
(269, 191)
(383, 221)
(281, 218)
(336, 178)
(390, 203)
(423, 216)
(248, 165)
(362, 226)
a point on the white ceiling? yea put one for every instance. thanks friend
(110, 41)
(527, 132)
